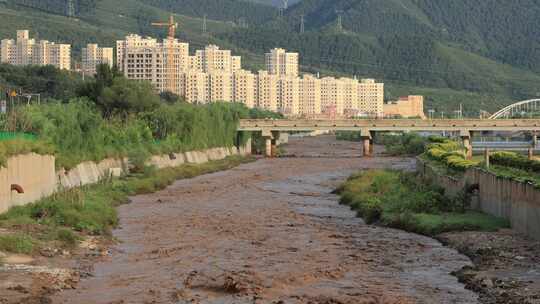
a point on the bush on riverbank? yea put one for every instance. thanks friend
(403, 201)
(90, 210)
(451, 154)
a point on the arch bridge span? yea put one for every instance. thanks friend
(524, 108)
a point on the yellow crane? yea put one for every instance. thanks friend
(169, 65)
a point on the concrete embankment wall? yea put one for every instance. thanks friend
(515, 201)
(37, 176)
(34, 173)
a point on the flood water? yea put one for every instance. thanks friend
(270, 232)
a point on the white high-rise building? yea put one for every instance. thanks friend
(25, 51)
(93, 55)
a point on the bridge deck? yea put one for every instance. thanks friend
(390, 125)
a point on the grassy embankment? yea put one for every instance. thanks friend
(402, 200)
(406, 201)
(63, 219)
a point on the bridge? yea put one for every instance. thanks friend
(366, 127)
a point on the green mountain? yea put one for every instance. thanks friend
(483, 54)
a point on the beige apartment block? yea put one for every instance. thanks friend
(406, 107)
(267, 91)
(212, 59)
(282, 63)
(25, 51)
(93, 55)
(310, 95)
(351, 100)
(220, 86)
(371, 95)
(244, 88)
(289, 95)
(195, 87)
(213, 74)
(147, 59)
(332, 95)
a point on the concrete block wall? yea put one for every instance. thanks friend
(37, 175)
(515, 201)
(34, 173)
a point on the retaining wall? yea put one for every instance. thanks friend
(515, 201)
(37, 175)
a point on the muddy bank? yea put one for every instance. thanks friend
(269, 232)
(506, 266)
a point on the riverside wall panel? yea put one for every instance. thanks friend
(34, 173)
(512, 200)
(37, 175)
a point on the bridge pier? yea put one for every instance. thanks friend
(466, 138)
(267, 136)
(367, 143)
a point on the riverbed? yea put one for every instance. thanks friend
(269, 231)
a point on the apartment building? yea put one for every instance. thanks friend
(282, 63)
(405, 107)
(93, 55)
(213, 74)
(212, 59)
(160, 63)
(371, 98)
(26, 51)
(244, 88)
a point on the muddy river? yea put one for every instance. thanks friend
(269, 232)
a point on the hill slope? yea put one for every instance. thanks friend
(480, 54)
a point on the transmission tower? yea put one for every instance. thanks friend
(70, 8)
(339, 20)
(302, 24)
(204, 26)
(283, 8)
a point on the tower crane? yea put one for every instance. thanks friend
(170, 64)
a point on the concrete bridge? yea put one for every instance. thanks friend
(270, 127)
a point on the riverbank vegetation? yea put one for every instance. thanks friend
(403, 200)
(62, 219)
(112, 116)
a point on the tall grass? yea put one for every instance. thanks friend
(78, 132)
(403, 201)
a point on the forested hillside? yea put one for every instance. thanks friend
(481, 53)
(225, 10)
(58, 6)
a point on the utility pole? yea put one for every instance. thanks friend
(302, 24)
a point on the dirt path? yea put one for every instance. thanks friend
(269, 232)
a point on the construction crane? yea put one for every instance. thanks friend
(168, 44)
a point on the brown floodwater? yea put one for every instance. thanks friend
(269, 232)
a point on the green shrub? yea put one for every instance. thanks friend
(514, 160)
(401, 200)
(17, 243)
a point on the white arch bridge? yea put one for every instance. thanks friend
(523, 109)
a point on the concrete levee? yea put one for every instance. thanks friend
(38, 177)
(33, 173)
(515, 201)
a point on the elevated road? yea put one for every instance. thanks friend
(366, 127)
(375, 125)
